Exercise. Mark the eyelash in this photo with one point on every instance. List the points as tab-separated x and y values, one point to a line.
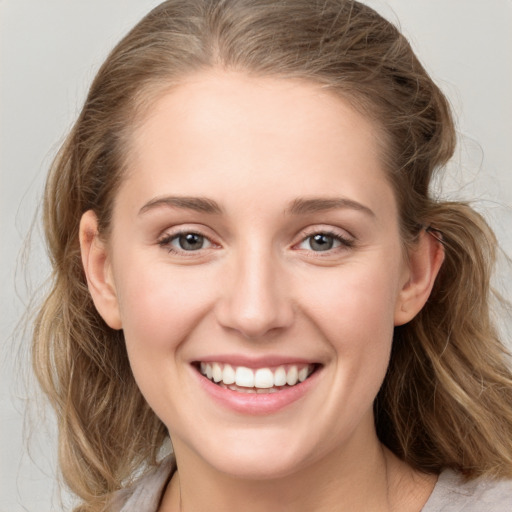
166	242
344	242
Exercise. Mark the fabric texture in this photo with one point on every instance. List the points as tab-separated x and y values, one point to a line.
451	493
146	494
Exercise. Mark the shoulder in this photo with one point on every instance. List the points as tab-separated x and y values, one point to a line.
146	492
453	494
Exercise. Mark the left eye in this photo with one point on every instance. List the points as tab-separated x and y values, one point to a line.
321	242
187	242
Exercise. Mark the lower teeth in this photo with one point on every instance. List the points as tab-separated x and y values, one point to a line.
240	389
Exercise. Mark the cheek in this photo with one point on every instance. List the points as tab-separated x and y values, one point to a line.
354	309
159	305
355	300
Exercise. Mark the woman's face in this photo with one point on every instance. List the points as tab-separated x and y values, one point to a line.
255	239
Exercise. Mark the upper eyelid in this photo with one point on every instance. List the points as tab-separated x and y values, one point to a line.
169	237
304	233
325	229
177	230
344	243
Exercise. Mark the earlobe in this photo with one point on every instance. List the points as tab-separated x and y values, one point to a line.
97	268
425	260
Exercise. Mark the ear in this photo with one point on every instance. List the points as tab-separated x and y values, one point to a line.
98	271
425	260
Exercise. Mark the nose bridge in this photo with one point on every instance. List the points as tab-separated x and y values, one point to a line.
255	302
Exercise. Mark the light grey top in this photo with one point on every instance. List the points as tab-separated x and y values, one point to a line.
451	493
145	495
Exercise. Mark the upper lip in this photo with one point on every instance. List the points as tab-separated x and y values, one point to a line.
254	362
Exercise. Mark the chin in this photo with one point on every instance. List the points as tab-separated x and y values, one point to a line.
262	456
255	467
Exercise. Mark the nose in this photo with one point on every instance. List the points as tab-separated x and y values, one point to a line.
255	302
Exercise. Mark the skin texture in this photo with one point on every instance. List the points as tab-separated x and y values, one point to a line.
257	288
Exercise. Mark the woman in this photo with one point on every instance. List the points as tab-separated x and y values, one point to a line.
248	261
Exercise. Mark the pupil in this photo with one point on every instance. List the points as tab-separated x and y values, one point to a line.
191	241
321	242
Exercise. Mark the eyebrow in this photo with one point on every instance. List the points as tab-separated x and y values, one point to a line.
198	204
301	206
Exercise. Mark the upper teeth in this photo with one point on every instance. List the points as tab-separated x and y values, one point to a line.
262	378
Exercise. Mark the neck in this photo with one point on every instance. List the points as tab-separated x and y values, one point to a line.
348	479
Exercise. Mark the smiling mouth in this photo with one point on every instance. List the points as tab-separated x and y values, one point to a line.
258	380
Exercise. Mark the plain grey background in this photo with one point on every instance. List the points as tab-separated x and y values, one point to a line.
49	52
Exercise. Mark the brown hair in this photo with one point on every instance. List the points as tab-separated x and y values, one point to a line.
446	399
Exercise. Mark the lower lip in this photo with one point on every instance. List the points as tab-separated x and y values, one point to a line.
256	403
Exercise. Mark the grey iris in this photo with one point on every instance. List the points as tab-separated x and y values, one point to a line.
321	242
191	242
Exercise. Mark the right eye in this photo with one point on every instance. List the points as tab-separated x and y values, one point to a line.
184	242
320	242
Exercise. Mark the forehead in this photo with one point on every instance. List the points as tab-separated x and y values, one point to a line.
254	135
